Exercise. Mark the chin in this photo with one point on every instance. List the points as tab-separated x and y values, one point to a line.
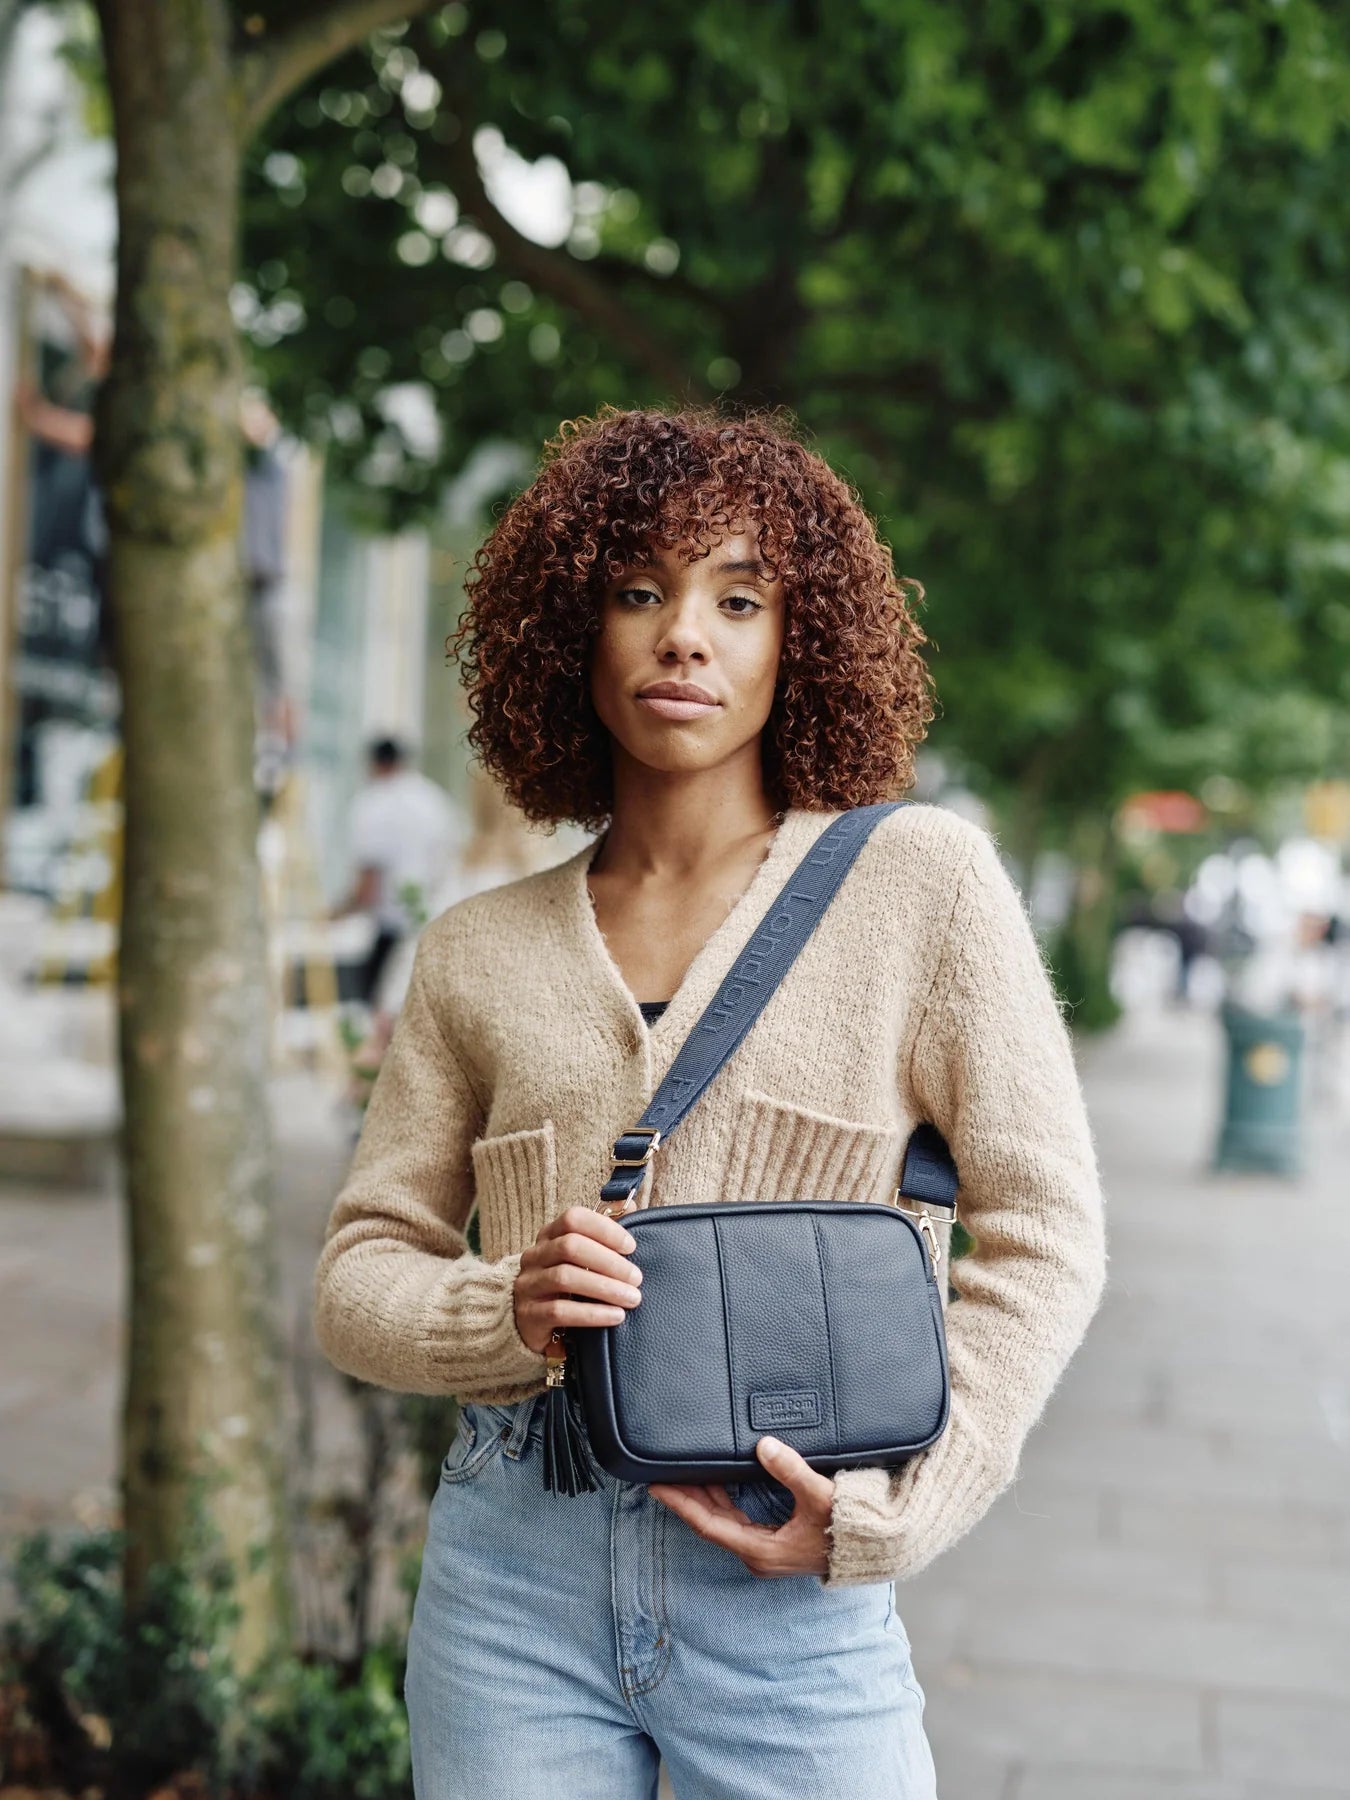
674	753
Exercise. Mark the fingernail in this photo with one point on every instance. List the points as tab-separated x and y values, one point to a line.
629	1241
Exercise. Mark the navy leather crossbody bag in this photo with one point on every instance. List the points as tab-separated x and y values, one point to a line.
818	1320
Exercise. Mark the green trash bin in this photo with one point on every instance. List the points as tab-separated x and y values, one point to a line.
1262	1126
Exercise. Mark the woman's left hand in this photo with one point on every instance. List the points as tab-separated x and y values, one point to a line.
799	1546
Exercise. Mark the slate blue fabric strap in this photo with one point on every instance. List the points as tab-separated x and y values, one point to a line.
745	992
929	1174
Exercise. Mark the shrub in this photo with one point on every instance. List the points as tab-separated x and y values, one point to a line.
95	1699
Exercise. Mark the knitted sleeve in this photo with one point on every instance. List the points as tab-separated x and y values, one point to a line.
993	1068
399	1299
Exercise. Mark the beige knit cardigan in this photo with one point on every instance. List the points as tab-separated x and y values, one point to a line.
520	1054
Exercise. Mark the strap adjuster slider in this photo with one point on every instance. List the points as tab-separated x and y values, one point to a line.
637	1162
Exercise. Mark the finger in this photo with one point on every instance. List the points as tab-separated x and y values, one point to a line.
728	1528
586	1253
577	1278
560	1313
791	1468
587	1222
714	1494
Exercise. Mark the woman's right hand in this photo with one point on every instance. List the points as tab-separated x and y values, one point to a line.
575	1273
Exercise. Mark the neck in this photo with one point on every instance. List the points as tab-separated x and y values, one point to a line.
678	825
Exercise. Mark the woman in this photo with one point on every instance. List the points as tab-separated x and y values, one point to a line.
687	634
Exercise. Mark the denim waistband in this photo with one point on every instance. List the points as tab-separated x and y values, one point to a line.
522	1421
518	1420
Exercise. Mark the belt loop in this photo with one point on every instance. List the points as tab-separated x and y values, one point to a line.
519	1429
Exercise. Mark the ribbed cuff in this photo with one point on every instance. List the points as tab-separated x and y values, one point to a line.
887	1525
469	1334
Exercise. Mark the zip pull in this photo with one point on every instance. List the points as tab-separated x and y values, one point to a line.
569	1465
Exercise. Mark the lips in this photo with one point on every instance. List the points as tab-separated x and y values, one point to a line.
677	690
677	700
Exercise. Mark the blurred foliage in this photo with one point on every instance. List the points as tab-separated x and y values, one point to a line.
1062	287
147	1699
98	1703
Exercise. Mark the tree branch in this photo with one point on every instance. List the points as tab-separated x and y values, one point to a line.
921	383
287	59
578	287
676	282
560	275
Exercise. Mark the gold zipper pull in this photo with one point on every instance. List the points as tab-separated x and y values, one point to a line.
555	1356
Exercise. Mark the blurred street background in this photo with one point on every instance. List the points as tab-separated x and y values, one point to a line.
1063	289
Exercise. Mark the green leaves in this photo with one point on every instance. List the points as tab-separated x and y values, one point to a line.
1063	287
140	1702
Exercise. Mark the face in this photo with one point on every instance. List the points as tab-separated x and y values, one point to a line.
710	631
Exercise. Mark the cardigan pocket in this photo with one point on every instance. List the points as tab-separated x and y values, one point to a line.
516	1184
780	1151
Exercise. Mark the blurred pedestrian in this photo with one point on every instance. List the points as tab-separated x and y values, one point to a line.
405	829
498	849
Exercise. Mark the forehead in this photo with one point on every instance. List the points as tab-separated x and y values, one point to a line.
736	554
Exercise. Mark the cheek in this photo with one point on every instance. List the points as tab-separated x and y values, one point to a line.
605	666
752	659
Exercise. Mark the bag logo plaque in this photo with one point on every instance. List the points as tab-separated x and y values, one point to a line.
793	1406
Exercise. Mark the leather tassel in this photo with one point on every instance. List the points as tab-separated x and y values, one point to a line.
569	1466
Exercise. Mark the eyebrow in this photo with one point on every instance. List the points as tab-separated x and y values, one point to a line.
730	566
757	569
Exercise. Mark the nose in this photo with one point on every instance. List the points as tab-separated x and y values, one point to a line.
684	636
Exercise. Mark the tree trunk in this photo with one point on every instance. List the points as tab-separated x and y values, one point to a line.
1026	818
201	1392
1084	956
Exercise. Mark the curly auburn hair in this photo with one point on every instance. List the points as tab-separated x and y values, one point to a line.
853	696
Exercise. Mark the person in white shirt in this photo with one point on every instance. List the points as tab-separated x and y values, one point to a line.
405	832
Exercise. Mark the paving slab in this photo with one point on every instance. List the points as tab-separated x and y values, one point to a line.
1077	1719
1280	1741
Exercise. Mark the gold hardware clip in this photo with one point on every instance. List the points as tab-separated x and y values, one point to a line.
924	1221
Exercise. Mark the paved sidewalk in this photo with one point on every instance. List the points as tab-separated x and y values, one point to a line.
1160	1607
62	1280
1159	1610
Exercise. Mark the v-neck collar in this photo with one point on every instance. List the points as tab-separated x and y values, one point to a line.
795	834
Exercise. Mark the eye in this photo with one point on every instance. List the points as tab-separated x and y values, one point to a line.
748	602
636	593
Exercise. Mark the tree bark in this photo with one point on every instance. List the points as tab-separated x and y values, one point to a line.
1089	929
201	1395
1026	816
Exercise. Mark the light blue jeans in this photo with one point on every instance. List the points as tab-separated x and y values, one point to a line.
561	1645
